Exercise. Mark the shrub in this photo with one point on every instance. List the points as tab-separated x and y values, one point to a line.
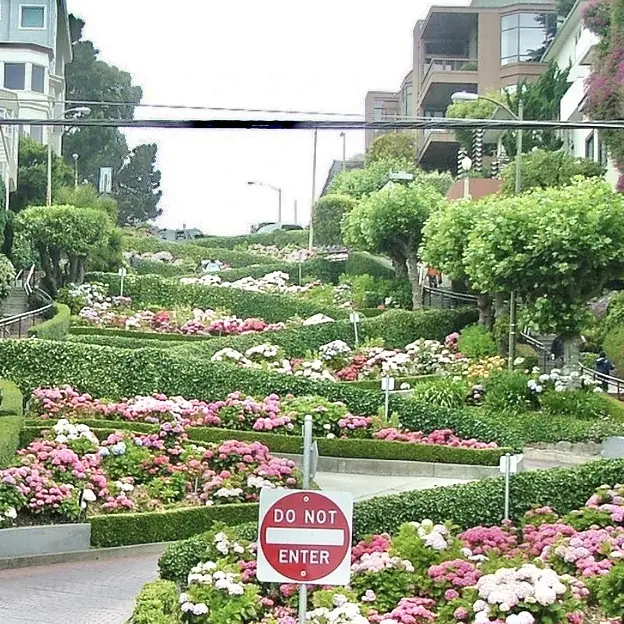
11	399
614	347
443	392
477	343
165	269
7	275
157	603
11	420
611	591
529	355
279	238
55	328
509	393
327	217
585	405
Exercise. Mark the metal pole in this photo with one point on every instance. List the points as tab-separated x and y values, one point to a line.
121	281
344	150
279	205
307	453
75	173
295	211
507	480
311	236
355	330
467	187
49	178
387	400
518	189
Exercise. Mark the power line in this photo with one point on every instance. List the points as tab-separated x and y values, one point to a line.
424	123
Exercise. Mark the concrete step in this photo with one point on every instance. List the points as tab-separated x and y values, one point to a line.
16	302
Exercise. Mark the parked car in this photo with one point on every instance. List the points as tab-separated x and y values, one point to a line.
273	227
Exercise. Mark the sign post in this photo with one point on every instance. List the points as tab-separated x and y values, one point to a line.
304	536
354	317
122	273
387	384
509	464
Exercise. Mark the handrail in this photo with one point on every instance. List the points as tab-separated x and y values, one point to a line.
444	293
7	322
605	380
449	64
28	287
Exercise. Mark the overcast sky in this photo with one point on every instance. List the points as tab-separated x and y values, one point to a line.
275	54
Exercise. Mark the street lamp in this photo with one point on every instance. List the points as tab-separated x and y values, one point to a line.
466	165
343	136
79	110
279	196
75	157
465	96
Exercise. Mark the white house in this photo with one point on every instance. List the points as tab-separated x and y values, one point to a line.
572	46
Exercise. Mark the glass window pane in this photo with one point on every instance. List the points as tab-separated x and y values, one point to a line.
38	79
14	76
531	20
33	17
509	44
509	21
532	43
589	146
36	132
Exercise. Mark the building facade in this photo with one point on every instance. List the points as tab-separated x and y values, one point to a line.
486	46
572	47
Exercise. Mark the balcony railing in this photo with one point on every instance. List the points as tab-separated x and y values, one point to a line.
450	64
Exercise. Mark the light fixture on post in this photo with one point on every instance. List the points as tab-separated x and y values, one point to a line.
343	136
77	110
466	165
75	157
279	196
465	96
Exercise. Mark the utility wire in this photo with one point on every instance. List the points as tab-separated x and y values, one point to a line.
425	123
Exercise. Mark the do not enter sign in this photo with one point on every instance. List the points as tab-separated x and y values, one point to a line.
304	537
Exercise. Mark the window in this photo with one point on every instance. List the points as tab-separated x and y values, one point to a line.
378	110
37	82
36	132
525	36
407	103
453	47
589	146
15	76
32	16
603	155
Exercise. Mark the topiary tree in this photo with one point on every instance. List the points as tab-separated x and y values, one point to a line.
7	275
542	169
327	217
555	248
392	146
63	237
390	222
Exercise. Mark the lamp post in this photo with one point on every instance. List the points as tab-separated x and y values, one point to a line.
279	196
343	136
75	157
466	164
78	110
313	201
465	96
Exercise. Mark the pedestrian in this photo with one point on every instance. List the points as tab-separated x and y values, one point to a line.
604	367
433	276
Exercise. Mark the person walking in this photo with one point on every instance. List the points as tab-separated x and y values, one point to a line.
604	367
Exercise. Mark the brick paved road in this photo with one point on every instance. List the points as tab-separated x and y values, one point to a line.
96	592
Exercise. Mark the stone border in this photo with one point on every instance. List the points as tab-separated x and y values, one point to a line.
46	539
399	468
93	554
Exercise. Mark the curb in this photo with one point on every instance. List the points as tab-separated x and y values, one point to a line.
399	468
93	554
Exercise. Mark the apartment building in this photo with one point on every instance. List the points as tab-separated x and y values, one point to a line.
485	46
572	47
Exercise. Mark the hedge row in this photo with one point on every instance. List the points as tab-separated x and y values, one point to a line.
396	327
11	420
116	373
279	238
153	290
472	504
614	348
165	526
157	603
144	336
279	443
55	328
466	505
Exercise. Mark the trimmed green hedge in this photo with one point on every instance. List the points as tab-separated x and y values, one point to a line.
55	328
279	238
116	373
11	420
279	443
153	267
614	347
157	603
88	330
153	290
471	504
164	526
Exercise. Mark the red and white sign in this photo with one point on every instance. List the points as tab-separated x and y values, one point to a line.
305	537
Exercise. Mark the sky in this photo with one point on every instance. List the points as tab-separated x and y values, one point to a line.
274	54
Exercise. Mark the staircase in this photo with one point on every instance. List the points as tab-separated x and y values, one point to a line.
16	302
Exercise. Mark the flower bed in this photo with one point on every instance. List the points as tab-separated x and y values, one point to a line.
69	472
543	569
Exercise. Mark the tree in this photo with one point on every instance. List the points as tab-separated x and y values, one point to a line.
327	217
7	275
542	169
555	248
92	80
391	221
86	196
392	146
63	237
137	187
